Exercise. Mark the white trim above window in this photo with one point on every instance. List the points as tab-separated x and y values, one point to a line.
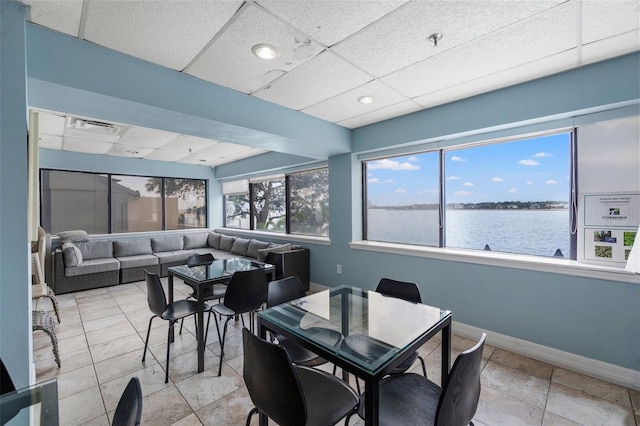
235	187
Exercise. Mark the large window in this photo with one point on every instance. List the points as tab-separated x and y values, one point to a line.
511	196
296	203
101	203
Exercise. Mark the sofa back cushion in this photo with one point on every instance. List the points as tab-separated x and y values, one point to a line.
262	254
159	245
214	240
71	255
240	246
254	246
226	243
194	241
132	247
95	249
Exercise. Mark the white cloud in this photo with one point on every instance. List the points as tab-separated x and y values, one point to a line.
543	154
530	183
452	178
528	162
400	190
376	180
463	193
391	165
412	159
512	190
459	159
428	191
550	182
467	184
497	179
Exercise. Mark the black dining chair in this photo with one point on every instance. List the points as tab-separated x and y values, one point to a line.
6	383
129	410
246	292
173	312
411	399
286	290
212	291
410	292
288	394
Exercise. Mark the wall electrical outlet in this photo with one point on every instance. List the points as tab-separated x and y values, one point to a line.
339	268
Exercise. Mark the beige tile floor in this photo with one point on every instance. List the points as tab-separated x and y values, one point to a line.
101	339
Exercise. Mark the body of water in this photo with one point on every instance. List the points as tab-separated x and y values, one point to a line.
537	232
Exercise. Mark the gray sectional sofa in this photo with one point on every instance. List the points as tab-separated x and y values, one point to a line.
83	265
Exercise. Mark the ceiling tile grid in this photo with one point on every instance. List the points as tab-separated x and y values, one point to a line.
229	61
391	111
603	19
62	16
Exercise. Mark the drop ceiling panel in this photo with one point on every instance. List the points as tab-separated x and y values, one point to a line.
391	111
129	151
400	39
504	78
141	137
320	78
169	33
346	105
63	16
230	62
185	143
51	124
330	21
603	19
252	152
50	142
163	155
611	47
544	35
223	149
87	146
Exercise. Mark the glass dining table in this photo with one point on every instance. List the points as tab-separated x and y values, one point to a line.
378	333
199	277
36	404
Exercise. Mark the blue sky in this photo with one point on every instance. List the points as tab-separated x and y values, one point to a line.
535	169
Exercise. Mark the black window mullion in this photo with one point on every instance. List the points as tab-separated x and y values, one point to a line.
364	200
287	204
573	199
441	207
252	209
109	215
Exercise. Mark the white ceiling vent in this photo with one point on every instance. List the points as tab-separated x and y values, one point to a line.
90	129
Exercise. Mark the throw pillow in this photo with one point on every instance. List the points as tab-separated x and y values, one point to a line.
226	243
74	236
240	246
255	246
214	240
262	254
71	255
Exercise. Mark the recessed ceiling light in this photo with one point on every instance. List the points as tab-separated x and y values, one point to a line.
367	99
264	51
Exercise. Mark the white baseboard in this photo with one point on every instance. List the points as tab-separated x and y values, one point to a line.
590	367
580	364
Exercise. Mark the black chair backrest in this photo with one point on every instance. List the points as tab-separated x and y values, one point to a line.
284	290
6	384
200	259
246	291
400	289
461	392
271	381
155	294
129	410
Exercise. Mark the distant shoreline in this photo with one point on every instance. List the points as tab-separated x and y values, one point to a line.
501	205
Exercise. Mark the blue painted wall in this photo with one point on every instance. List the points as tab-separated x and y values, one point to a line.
15	323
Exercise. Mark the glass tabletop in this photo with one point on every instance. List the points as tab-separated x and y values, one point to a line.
218	270
33	405
362	326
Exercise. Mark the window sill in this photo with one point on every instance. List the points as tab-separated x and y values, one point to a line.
325	241
505	260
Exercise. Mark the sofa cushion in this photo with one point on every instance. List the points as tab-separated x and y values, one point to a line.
254	246
226	243
96	249
137	261
77	235
198	240
262	254
214	240
159	245
93	266
173	256
71	255
132	247
240	246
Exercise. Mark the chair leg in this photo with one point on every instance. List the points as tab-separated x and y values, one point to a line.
166	374
251	413
224	335
424	369
206	332
51	295
349	414
146	341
